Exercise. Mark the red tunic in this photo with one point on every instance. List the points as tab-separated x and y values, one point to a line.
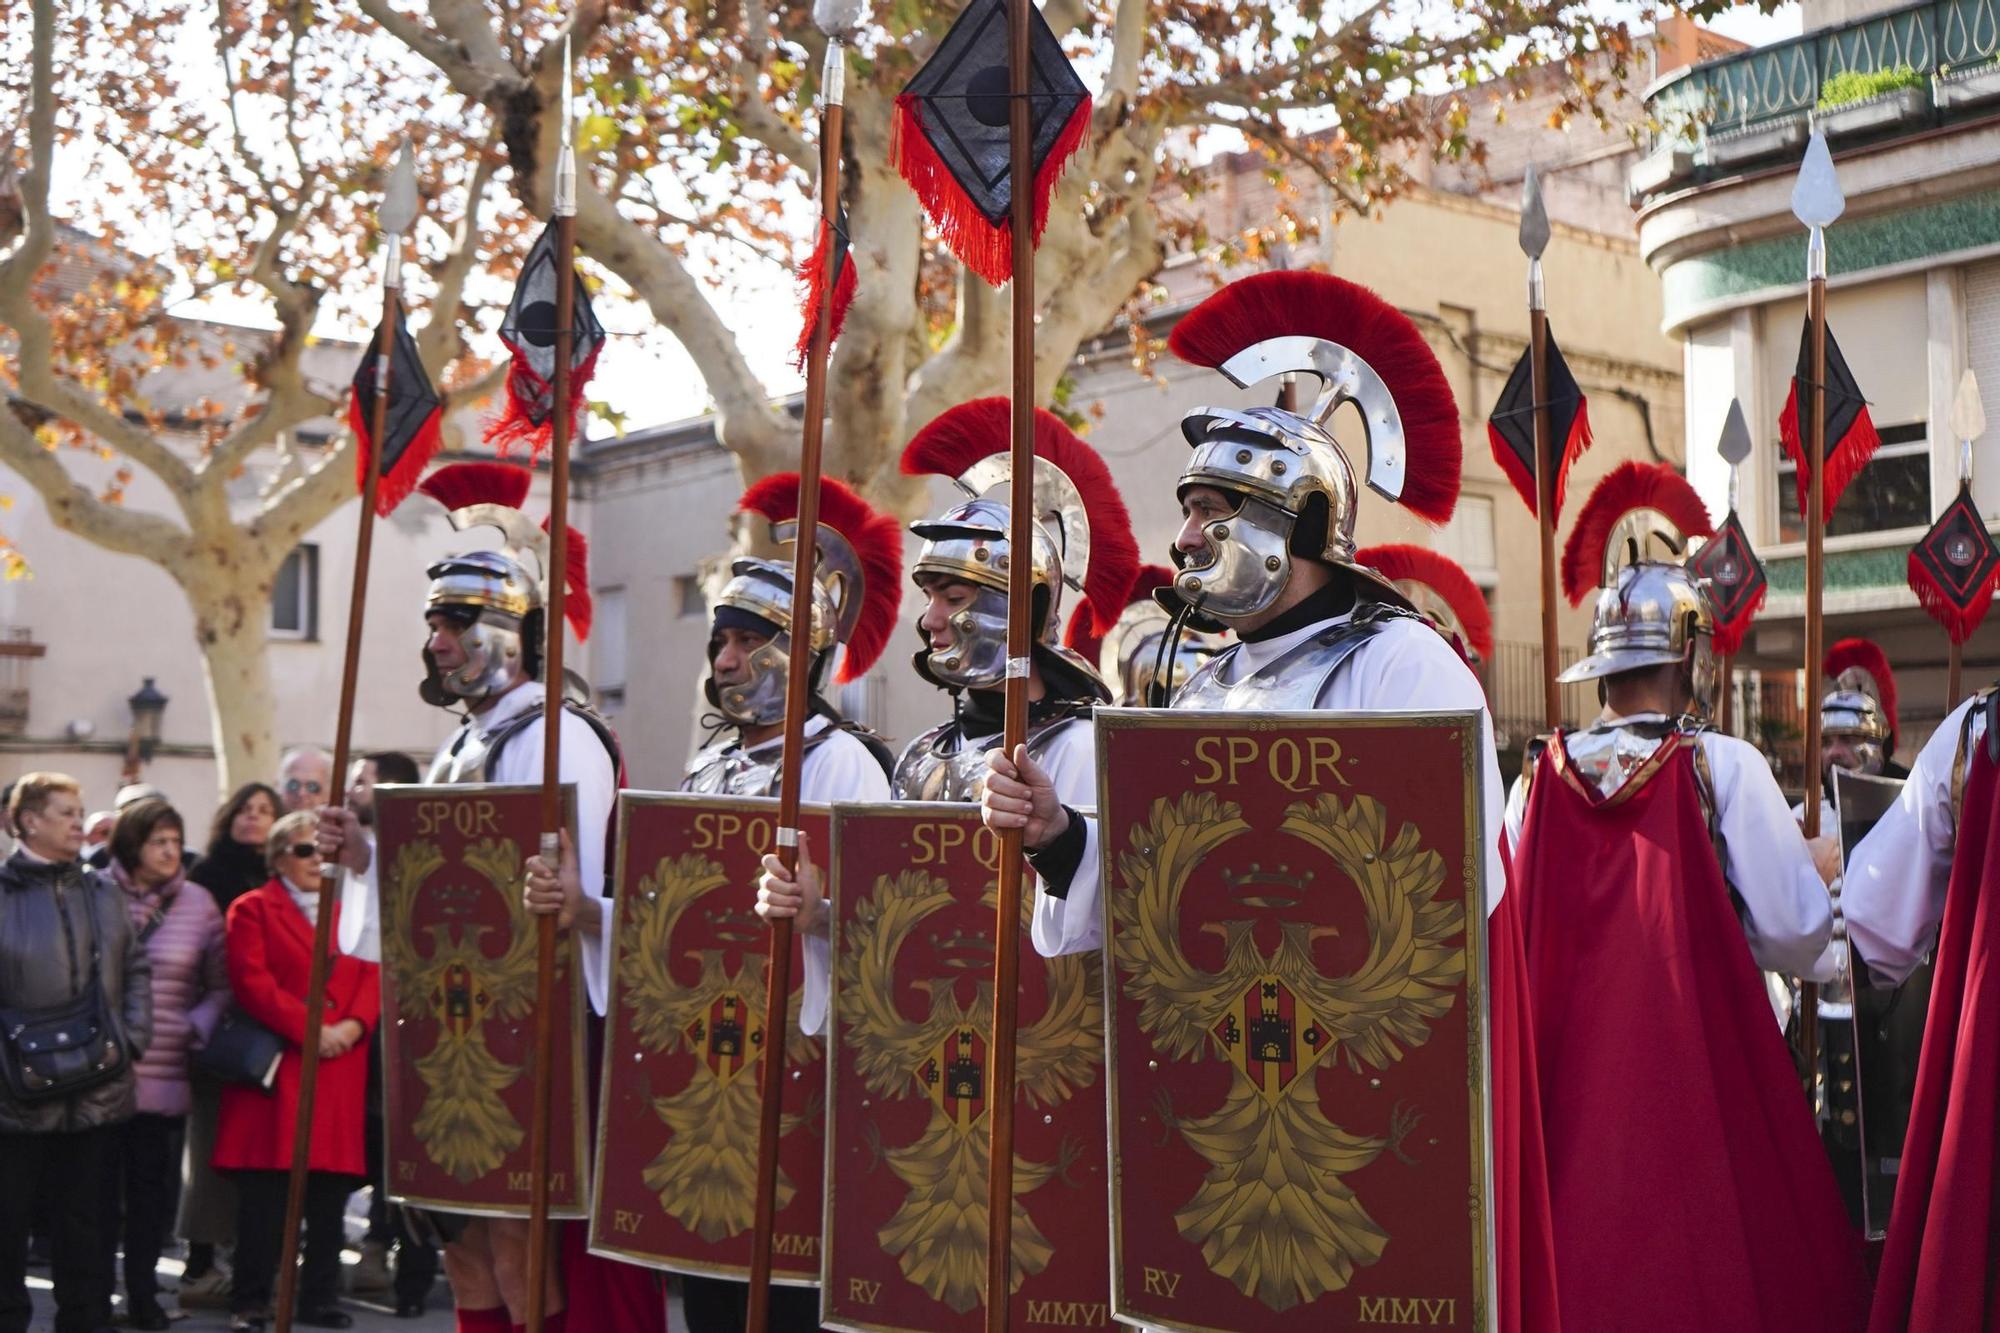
1941	1266
1687	1185
270	952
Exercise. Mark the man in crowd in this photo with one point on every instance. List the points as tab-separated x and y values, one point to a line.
69	961
305	778
97	838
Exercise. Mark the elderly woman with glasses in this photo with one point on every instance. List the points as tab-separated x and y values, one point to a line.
270	939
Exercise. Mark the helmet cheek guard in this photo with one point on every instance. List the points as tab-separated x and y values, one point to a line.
759	698
1244	564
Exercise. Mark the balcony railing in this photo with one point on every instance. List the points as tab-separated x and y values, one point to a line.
1514	694
17	649
1720	113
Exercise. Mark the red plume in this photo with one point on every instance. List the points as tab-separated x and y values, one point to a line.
877	538
1319	305
460	484
578	609
1085	639
1629	486
1443	576
830	257
1868	656
980	428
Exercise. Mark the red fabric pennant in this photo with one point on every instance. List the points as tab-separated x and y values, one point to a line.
1845	456
830	253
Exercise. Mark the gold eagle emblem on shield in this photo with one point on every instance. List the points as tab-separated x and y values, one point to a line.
1273	1214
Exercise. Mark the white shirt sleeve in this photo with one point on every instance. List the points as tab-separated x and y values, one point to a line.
1787	913
586	764
1408	667
361	910
839	768
1070	924
1894	892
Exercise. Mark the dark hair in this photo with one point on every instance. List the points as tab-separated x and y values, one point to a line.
218	832
137	823
393	766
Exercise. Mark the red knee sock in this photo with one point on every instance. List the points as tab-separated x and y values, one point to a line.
551	1323
483	1321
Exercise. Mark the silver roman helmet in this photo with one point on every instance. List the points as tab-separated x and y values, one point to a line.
1294	486
1857	718
1082	537
1630	541
1135	657
496	596
859	554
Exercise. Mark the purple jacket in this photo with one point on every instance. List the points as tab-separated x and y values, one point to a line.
190	984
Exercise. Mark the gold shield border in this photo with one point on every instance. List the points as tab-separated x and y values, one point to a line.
578	1003
1479	1073
629	799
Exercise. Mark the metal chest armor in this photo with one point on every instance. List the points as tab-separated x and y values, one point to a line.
726	769
464	759
941	765
1294	681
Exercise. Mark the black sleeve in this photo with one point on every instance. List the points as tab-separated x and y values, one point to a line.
1057	862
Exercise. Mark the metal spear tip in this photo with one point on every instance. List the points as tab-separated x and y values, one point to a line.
1534	216
840	19
1816	196
399	200
1968	414
1734	446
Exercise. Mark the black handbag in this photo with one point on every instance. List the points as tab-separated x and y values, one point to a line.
241	1050
59	1050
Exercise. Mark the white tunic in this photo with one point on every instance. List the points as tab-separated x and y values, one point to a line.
1896	881
1405	668
840	768
1787	913
584	763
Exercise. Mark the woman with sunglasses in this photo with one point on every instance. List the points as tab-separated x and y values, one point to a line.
270	939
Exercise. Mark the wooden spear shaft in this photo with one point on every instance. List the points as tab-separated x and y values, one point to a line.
540	1123
1815	624
1728	715
1020	646
805	554
330	873
1545	510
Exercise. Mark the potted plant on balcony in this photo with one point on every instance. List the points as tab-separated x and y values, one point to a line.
1856	102
1966	86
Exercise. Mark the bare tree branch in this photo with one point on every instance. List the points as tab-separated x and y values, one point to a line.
442	342
74	509
299	506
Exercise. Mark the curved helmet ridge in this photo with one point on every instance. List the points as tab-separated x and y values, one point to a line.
1142	669
1292	476
1441	591
497	596
1082	537
859	554
1861	706
1631	541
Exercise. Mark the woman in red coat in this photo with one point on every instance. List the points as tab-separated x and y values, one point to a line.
270	953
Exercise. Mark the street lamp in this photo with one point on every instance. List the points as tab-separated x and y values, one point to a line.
147	705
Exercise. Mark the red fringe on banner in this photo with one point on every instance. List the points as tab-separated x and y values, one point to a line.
513	427
813	279
578	609
1845	457
982	247
1958	621
1523	479
400	480
1729	634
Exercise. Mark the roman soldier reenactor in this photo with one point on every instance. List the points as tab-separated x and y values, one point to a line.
1082	540
1686	1185
1857	718
485	611
1925	883
751	639
1267	550
1439	587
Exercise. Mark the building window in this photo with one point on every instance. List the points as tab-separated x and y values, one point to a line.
607	649
295	596
1893	491
1469	540
689	599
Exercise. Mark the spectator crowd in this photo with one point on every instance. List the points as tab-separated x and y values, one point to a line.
152	1010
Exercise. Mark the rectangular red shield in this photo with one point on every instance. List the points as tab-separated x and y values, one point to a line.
914	895
458	1003
1293	914
675	1184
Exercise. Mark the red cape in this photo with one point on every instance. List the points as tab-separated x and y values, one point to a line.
1941	1266
1525	1285
1686	1181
